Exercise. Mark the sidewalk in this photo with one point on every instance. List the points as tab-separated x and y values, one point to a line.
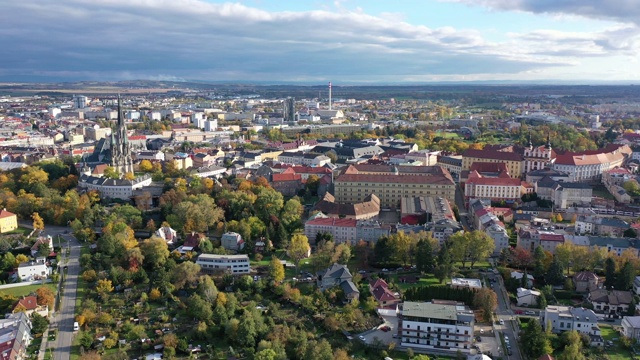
43	345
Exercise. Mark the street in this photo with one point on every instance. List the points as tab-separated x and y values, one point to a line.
461	209
504	312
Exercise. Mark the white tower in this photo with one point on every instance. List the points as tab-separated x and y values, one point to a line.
329	95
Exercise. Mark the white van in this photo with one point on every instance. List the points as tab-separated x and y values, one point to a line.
76	326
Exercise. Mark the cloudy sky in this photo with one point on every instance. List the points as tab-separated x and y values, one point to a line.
313	41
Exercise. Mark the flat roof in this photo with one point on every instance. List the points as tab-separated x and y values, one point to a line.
430	310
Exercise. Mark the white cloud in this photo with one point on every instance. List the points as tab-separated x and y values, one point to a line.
193	39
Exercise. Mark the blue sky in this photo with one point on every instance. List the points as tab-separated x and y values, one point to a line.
314	41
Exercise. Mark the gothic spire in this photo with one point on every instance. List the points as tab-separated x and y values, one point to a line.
530	143
120	117
549	140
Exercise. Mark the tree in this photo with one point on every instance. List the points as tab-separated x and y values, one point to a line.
486	300
265	354
38	223
609	273
539	259
104	287
313	181
573	346
555	274
155	252
542	301
185	273
198	308
45	296
631	186
625	277
481	246
630	233
38	324
145	166
8	262
424	256
537	343
111	173
445	268
21	258
276	270
291	213
421	357
281	238
298	248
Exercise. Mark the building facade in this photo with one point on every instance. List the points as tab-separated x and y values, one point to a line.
230	264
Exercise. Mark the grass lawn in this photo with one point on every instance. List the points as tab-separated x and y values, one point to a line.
601	191
447	135
616	352
20	230
425	280
25	290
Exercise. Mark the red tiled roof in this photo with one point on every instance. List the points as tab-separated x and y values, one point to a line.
382	293
138	137
333	222
5	214
378	282
29	302
311	170
494	181
551	237
286	177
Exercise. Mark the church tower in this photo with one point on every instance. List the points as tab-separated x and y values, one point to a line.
121	159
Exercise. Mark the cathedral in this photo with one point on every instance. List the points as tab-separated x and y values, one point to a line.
121	157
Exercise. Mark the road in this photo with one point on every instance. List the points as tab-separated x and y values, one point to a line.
504	312
65	315
464	220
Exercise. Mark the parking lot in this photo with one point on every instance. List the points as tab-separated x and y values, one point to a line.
386	337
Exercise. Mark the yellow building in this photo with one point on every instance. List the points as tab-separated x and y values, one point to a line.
391	184
8	221
514	161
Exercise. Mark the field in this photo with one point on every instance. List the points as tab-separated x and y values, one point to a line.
616	352
25	290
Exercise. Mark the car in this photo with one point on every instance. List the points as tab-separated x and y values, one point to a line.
518	312
481	331
394	336
361	338
478	339
501	321
529	312
509	352
385	270
610	320
362	272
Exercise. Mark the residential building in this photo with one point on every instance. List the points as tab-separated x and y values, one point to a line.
8	221
530	238
48	240
585	281
636	285
232	241
15	336
564	194
211	171
287	183
616	245
591	164
513	160
29	304
370	230
167	234
567	318
614	302
33	270
453	164
150	155
342	230
631	327
518	275
301	158
533	177
390	184
499	235
229	264
384	297
462	283
424	209
527	297
598	225
338	275
438	325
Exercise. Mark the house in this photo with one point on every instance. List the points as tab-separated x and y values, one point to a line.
615	302
48	240
585	281
380	291
443	325
8	221
631	327
33	270
369	208
567	318
167	234
527	297
518	276
232	241
194	239
29	305
338	275
636	285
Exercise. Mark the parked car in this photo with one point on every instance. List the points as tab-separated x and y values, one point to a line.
501	321
361	338
478	339
529	312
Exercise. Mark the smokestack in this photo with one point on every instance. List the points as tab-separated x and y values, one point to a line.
329	95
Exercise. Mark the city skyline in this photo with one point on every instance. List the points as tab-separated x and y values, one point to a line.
349	42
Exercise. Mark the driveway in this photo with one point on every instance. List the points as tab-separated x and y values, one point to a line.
386	337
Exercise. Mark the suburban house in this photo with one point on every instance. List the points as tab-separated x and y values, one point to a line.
232	241
613	302
29	305
167	234
527	297
42	240
518	276
338	275
631	327
380	291
462	283
15	336
585	281
636	285
8	221
567	318
33	270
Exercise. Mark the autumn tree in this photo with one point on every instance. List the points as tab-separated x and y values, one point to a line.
298	248
111	173
38	223
145	166
155	252
104	287
276	270
186	273
45	296
486	300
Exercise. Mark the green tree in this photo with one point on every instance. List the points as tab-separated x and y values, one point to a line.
573	346
481	246
291	213
424	256
537	343
207	289
542	301
609	273
298	248
185	273
281	238
155	252
625	277
38	324
445	267
111	173
265	354
198	308
247	333
630	233
555	274
539	259
276	270
8	261
632	187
